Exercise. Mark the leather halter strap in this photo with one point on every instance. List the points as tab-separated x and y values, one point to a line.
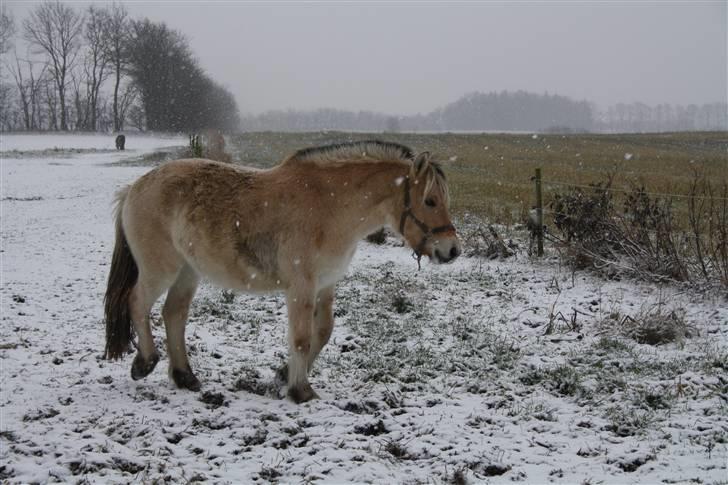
427	233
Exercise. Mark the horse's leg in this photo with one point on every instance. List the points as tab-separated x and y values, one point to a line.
146	291
300	302
323	323
175	311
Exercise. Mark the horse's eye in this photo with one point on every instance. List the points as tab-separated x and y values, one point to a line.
430	202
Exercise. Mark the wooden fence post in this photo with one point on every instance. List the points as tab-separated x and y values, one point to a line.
539	213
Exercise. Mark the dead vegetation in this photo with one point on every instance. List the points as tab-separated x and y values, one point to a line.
644	237
657	325
485	242
209	145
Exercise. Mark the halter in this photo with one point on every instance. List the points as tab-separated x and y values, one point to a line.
426	231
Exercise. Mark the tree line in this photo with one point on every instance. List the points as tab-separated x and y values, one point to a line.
639	117
98	69
505	111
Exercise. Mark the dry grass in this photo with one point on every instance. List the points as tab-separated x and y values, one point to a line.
490	174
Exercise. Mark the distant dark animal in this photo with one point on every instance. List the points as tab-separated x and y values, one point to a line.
120	140
292	228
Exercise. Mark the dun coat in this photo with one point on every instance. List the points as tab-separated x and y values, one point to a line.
293	228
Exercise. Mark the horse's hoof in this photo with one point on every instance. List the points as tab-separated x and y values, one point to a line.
282	374
185	379
142	367
301	394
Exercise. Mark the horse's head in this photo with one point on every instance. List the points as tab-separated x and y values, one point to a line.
425	221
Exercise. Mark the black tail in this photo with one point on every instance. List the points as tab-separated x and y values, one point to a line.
122	277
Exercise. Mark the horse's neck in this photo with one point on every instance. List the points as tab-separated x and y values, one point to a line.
378	200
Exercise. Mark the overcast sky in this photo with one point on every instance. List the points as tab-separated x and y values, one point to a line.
412	57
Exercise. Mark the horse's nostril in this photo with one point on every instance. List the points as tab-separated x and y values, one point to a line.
454	252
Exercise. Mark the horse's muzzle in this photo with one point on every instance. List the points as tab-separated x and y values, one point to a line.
446	251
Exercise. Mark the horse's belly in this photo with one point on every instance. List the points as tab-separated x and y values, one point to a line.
334	270
244	278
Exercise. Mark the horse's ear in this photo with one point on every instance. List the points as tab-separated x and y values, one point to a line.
421	162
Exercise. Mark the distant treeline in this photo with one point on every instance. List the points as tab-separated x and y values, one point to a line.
639	117
97	69
504	111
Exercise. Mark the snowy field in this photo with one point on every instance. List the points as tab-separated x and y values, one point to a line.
480	371
24	142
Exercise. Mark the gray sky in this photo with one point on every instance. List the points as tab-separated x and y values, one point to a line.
413	57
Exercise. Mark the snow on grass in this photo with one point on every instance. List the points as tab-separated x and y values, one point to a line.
23	142
476	371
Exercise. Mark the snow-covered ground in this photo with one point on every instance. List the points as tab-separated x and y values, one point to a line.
137	141
477	371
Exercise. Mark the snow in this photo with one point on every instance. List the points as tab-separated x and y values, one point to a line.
30	141
428	373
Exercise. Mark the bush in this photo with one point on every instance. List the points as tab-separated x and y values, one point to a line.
645	238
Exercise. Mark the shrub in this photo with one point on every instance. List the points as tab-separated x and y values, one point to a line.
646	238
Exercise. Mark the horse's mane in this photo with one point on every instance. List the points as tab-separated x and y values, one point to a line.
370	149
376	150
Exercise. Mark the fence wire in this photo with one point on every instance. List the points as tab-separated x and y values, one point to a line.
627	191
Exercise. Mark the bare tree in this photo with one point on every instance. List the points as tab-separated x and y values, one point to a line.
80	112
7	29
97	60
56	29
51	100
28	85
117	33
137	117
128	96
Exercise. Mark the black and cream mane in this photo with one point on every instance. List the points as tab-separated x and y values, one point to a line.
369	149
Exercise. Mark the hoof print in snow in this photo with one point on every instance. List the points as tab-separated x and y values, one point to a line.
268	473
41	414
364	407
398	450
631	463
175	438
255	386
6	472
213	399
372	429
491	469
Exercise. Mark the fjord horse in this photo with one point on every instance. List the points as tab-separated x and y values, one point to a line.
293	228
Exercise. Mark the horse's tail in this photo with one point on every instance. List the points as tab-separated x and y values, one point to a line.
122	277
